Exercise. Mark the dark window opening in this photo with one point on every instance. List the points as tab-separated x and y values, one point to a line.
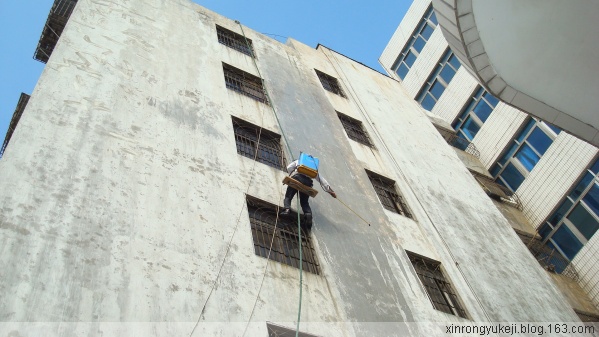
285	244
330	83
235	41
388	194
245	83
355	129
23	100
269	144
57	19
439	290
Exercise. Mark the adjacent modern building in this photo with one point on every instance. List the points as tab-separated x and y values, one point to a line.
141	186
552	173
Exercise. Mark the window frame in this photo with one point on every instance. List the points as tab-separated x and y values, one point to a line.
235	41
435	77
387	187
448	292
245	83
468	112
262	217
425	21
354	129
330	83
246	136
508	155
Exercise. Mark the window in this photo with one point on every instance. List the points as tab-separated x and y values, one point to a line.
235	41
438	80
330	83
475	114
576	219
439	290
269	144
388	195
414	46
244	83
354	129
285	249
275	330
523	153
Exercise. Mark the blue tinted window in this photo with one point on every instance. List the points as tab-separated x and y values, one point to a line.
567	242
419	44
483	110
402	71
512	176
527	128
494	170
539	140
470	128
447	74
426	32
527	157
409	59
508	154
545	230
582	185
491	99
554	128
560	212
428	102
453	60
584	221
592	199
595	167
433	18
437	89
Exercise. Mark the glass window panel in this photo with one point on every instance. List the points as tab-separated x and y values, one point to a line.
582	185
447	74
453	60
508	154
512	176
491	99
527	128
527	157
433	18
437	89
545	230
402	71
560	212
554	128
495	169
595	167
584	221
483	110
470	128
419	44
428	102
567	241
426	32
409	59
539	140
592	199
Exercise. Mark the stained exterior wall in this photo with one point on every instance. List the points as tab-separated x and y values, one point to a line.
550	180
123	195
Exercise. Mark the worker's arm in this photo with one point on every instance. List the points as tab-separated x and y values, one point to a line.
291	167
325	186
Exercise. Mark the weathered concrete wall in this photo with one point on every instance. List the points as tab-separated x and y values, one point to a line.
122	190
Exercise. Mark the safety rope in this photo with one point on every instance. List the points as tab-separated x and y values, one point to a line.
299	229
362	109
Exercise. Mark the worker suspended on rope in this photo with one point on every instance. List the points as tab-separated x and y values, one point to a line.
304	170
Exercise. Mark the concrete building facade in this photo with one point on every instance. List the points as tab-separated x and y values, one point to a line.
550	170
131	199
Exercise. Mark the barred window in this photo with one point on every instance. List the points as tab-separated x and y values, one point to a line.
269	147
330	83
388	195
244	83
285	248
439	290
354	129
235	41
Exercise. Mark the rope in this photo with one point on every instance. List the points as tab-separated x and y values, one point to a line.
353	211
398	167
299	229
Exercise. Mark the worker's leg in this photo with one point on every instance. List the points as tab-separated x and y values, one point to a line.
289	194
306	208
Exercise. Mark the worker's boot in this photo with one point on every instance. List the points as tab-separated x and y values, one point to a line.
285	212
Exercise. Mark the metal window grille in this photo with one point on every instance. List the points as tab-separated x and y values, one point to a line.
14	120
330	83
285	247
244	83
549	258
458	142
235	41
497	191
269	148
388	195
439	290
354	129
57	19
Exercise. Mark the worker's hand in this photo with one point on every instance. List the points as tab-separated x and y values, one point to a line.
333	194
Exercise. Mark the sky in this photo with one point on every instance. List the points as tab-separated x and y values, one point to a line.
356	29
